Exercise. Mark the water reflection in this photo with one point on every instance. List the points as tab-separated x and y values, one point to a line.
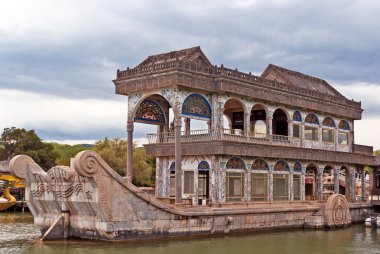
18	235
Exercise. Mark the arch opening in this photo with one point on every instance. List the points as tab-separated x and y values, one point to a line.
280	123
234	109
258	120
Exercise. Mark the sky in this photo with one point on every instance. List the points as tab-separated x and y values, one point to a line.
58	58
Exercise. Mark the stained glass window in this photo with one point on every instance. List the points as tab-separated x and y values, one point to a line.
297	117
259	164
203	165
343	125
281	166
235	163
311	118
172	166
150	111
328	121
196	105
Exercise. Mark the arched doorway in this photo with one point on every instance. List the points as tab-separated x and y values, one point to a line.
328	180
311	182
259	180
235	169
203	182
280	123
234	109
258	121
344	185
281	181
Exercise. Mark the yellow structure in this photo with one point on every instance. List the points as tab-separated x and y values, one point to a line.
8	181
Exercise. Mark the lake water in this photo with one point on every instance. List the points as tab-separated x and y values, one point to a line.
18	235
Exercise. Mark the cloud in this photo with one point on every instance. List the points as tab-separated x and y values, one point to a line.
70	50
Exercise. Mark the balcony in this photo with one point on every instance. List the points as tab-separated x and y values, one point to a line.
223	135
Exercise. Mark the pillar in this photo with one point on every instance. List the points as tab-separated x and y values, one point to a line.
353	184
320	185
303	186
247	123
363	185
336	135
336	182
270	179
290	128
187	126
291	186
302	134
178	160
269	125
129	151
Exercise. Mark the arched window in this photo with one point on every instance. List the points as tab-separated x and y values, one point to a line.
297	169
203	165
235	163
281	181
203	181
280	122
172	179
235	180
311	119
311	130
297	119
328	133
344	127
258	120
150	112
328	182
259	180
234	109
297	116
196	105
311	182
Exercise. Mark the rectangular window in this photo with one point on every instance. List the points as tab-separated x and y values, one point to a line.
172	184
378	181
234	186
328	135
296	187
311	133
280	187
188	182
259	187
343	138
296	131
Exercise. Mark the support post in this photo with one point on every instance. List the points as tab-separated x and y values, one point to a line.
363	185
178	160
336	182
129	151
320	185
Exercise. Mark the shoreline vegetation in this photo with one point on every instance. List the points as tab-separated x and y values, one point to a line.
16	141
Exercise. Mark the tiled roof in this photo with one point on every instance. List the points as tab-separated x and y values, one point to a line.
280	74
189	54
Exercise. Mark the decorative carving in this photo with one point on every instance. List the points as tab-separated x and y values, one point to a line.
281	166
150	111
203	165
86	164
337	212
196	105
18	165
297	117
312	119
235	163
329	122
343	125
260	164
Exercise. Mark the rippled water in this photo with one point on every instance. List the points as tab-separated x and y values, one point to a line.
18	235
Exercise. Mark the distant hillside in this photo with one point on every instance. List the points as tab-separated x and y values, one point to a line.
66	152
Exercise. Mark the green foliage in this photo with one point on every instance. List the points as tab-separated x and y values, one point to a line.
16	141
66	152
114	152
377	152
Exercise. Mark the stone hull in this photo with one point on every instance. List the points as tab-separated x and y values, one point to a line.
92	201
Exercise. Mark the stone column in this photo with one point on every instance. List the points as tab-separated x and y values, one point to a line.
320	185
353	184
214	180
178	160
247	123
269	125
270	180
247	186
336	134
303	186
320	135
290	129
363	185
129	175
187	126
209	124
336	182
302	134
291	186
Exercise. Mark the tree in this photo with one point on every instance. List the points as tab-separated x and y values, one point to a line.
16	141
66	152
377	152
114	152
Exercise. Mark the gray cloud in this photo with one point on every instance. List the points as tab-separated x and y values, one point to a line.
72	49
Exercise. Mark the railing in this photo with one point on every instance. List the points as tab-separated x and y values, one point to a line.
220	134
360	149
